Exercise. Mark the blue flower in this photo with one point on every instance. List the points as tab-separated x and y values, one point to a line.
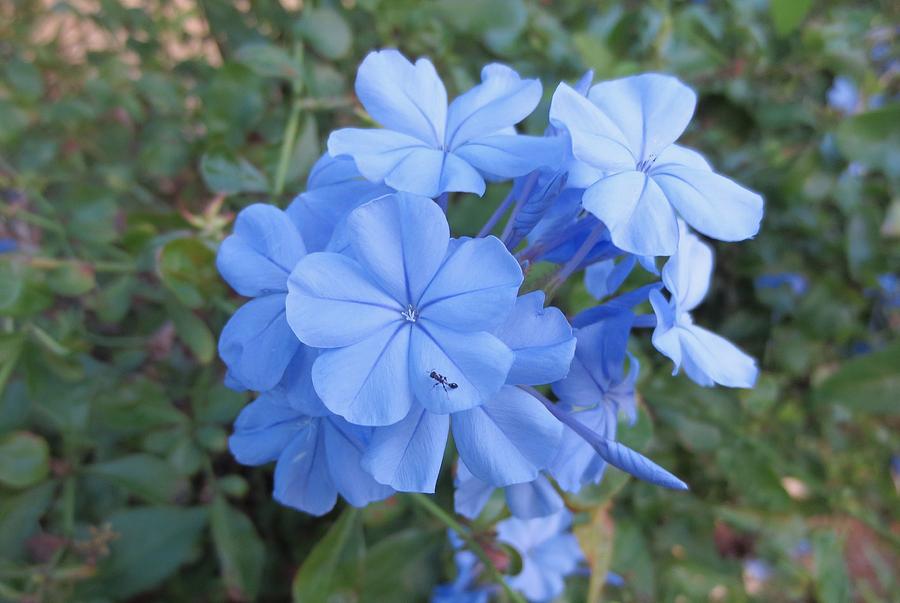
8	245
549	552
706	357
402	311
465	588
317	454
536	498
627	129
844	96
428	148
256	344
334	189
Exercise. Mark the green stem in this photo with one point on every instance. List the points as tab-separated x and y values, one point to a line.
287	148
438	513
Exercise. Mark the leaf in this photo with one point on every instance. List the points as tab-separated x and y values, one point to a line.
24	459
228	175
873	138
340	552
596	539
239	548
12	281
194	333
152	543
477	17
269	60
145	475
71	278
865	384
788	14
187	267
830	572
19	515
402	567
326	31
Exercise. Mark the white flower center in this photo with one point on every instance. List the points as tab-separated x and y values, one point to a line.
410	314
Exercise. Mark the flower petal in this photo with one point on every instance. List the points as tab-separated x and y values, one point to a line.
477	363
403	97
636	211
367	383
512	155
541	340
344	446
471	494
709	358
712	204
258	257
577	463
332	303
537	498
302	480
475	289
508	439
375	152
407	455
263	429
651	109
257	344
401	240
687	273
596	139
502	99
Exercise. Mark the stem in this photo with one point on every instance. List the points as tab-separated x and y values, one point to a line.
438	513
495	217
287	148
569	267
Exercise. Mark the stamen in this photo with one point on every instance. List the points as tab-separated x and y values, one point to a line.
410	314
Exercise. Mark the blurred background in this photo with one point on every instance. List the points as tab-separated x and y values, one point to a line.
131	132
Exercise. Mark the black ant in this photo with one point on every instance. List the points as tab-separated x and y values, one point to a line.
442	381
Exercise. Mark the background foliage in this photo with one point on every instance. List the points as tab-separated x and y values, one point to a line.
131	132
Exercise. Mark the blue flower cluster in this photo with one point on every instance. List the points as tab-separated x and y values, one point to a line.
371	333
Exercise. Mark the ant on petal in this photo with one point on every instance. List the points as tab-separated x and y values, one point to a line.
439	379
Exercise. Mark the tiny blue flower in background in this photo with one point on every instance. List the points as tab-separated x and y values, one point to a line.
549	551
798	283
428	148
627	129
256	344
706	357
8	245
465	588
844	96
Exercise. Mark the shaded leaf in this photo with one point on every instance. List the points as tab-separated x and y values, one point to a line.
338	554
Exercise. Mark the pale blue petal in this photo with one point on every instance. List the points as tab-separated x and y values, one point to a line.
510	155
296	387
332	303
532	499
502	99
560	554
681	156
630	461
302	479
475	289
471	494
375	152
334	188
537	194
508	439
344	447
263	429
712	204
367	383
407	455
687	273
577	463
651	109
709	358
257	344
418	172
636	211
541	340
595	138
401	240
604	278
258	257
403	97
477	363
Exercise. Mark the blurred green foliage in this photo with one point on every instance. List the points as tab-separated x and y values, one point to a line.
131	132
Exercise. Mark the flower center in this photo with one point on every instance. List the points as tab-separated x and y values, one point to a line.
410	314
645	164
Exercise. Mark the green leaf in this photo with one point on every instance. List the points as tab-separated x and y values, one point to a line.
873	138
19	515
71	278
402	567
145	475
830	572
326	31
865	384
24	459
596	540
187	267
478	17
152	543
12	281
228	175
269	60
194	333
339	554
240	550
788	14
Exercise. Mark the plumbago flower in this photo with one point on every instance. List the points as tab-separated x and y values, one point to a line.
372	335
428	148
